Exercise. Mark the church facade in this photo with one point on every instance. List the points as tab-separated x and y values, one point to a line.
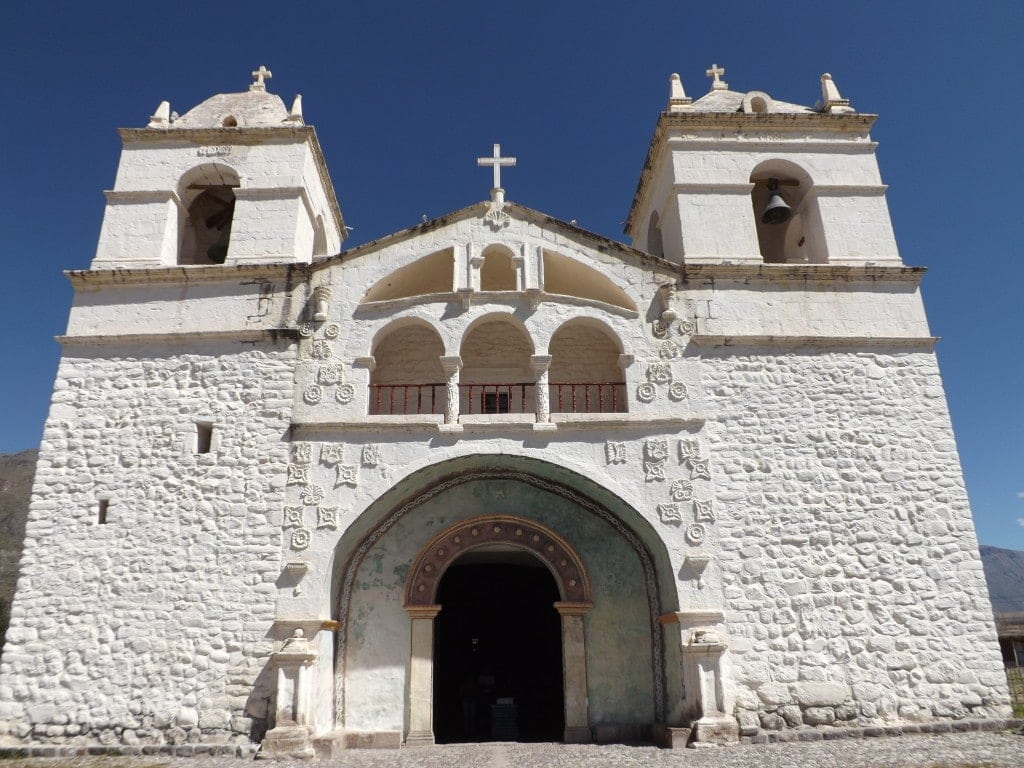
496	476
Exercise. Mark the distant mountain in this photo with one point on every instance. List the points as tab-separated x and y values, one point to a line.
1004	572
16	473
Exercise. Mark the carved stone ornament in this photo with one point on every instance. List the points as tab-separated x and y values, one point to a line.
654	470
677	391
681	490
328	374
696	533
302	453
312	494
300	538
322	350
670	514
700	468
332	330
496	217
348	474
614	453
659	329
668	350
305	330
371	455
704	511
293	517
345	393
659	373
298	474
689	448
686	327
656	449
313	394
331	454
327	517
646	393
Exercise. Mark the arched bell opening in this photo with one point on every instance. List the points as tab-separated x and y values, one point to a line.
789	228
207	195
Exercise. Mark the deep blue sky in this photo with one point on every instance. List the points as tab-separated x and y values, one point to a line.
405	95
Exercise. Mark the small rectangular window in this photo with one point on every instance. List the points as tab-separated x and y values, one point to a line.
101	511
496	402
204	436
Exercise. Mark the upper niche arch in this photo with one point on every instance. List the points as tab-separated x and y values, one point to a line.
568	277
800	240
431	274
207	194
498	270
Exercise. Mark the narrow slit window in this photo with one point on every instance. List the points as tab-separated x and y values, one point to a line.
204	437
101	511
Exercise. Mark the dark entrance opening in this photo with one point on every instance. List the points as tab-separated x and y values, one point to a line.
498	657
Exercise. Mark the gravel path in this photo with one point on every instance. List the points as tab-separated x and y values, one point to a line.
958	750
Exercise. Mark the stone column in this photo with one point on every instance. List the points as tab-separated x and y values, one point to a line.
541	364
451	367
292	732
574	674
421	675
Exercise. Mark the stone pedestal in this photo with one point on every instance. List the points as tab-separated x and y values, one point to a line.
291	736
708	698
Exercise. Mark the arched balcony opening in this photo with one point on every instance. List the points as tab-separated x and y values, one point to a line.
407	378
497	374
585	375
498	271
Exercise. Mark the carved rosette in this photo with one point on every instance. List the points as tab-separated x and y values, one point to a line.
446	547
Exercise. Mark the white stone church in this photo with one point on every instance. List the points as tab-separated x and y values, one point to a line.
496	476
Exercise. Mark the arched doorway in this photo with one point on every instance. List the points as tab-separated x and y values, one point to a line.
477	540
498	650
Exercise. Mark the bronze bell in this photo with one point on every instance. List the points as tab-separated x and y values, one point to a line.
777	211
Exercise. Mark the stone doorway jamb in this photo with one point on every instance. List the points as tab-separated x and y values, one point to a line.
421	675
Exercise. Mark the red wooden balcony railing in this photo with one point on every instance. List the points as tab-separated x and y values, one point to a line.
397	399
583	397
513	397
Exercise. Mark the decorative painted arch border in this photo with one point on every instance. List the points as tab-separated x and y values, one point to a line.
458	539
496	473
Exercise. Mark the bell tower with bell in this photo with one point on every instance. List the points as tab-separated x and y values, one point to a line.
238	179
741	177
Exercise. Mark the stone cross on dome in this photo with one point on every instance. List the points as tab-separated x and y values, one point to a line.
714	73
259	76
496	161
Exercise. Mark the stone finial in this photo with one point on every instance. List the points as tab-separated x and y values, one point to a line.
162	117
832	102
295	113
715	73
259	76
678	101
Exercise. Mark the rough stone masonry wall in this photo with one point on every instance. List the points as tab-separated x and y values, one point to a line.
153	627
853	589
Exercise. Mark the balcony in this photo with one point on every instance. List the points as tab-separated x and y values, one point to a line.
500	398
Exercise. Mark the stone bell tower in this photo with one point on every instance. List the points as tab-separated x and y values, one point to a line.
717	164
239	179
